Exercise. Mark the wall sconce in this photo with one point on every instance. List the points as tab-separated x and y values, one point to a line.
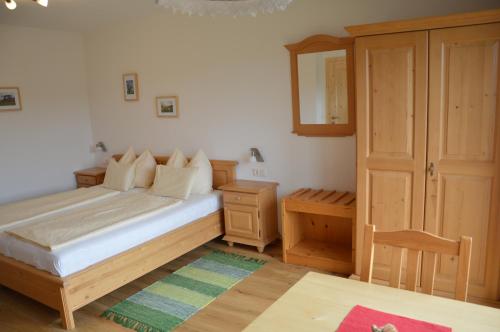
43	3
11	4
101	147
255	156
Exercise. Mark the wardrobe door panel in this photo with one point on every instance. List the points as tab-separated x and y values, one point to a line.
391	200
474	195
391	88
464	148
469	104
391	83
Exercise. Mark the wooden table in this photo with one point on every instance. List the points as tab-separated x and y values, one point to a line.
319	302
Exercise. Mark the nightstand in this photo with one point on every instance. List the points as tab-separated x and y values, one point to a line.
250	213
90	177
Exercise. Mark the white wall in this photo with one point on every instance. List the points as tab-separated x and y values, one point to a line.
43	144
233	79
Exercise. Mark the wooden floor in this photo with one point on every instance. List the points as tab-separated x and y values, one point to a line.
233	310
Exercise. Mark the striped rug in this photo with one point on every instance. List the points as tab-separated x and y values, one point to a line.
169	302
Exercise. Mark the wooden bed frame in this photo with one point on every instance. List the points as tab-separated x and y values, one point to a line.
72	292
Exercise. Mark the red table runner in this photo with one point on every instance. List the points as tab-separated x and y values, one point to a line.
360	319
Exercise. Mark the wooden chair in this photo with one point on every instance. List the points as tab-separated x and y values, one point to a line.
415	242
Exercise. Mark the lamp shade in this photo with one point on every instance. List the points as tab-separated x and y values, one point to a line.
11	4
44	3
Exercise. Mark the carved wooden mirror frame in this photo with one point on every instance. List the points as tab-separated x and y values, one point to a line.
314	44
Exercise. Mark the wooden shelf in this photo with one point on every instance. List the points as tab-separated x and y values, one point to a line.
319	228
324	202
324	255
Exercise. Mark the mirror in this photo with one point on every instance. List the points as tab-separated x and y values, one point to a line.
322	86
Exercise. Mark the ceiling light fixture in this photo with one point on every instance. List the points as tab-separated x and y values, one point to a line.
44	3
224	7
11	4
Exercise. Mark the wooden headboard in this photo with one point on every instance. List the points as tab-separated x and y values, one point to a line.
224	171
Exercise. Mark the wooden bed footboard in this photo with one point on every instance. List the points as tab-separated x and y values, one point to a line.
74	291
39	285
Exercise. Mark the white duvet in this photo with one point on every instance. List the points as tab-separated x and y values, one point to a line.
18	213
82	254
55	231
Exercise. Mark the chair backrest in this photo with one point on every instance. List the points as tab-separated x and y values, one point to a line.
416	242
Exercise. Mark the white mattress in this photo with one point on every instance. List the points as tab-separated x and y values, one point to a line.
79	255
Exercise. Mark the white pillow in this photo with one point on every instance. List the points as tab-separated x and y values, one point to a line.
119	176
177	159
173	182
128	157
145	168
203	182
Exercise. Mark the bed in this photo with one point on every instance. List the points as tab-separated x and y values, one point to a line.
68	279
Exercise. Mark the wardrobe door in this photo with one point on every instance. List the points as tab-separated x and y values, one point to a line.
391	88
464	152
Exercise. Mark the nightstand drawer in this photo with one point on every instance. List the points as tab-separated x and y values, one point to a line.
86	180
240	198
242	221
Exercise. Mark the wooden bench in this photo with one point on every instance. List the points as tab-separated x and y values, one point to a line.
319	229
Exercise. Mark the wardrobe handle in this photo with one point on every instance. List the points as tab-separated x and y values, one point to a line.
430	169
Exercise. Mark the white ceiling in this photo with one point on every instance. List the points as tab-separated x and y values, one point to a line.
88	15
75	15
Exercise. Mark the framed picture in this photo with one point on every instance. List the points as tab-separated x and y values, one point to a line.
130	87
167	106
10	99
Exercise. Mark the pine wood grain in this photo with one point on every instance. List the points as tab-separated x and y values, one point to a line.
233	310
319	302
425	23
319	228
416	242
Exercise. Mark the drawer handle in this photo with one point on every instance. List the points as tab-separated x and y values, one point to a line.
238	198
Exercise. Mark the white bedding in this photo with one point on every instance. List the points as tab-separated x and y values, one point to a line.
79	255
22	212
62	229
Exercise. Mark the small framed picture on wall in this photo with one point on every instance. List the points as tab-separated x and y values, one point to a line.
10	99
131	87
167	107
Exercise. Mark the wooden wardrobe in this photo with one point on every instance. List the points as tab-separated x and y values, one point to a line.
428	138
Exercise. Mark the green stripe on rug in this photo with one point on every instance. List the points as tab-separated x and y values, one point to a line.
179	294
169	302
141	318
242	262
195	285
213	278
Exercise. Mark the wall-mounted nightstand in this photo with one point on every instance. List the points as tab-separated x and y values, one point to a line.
250	213
90	177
